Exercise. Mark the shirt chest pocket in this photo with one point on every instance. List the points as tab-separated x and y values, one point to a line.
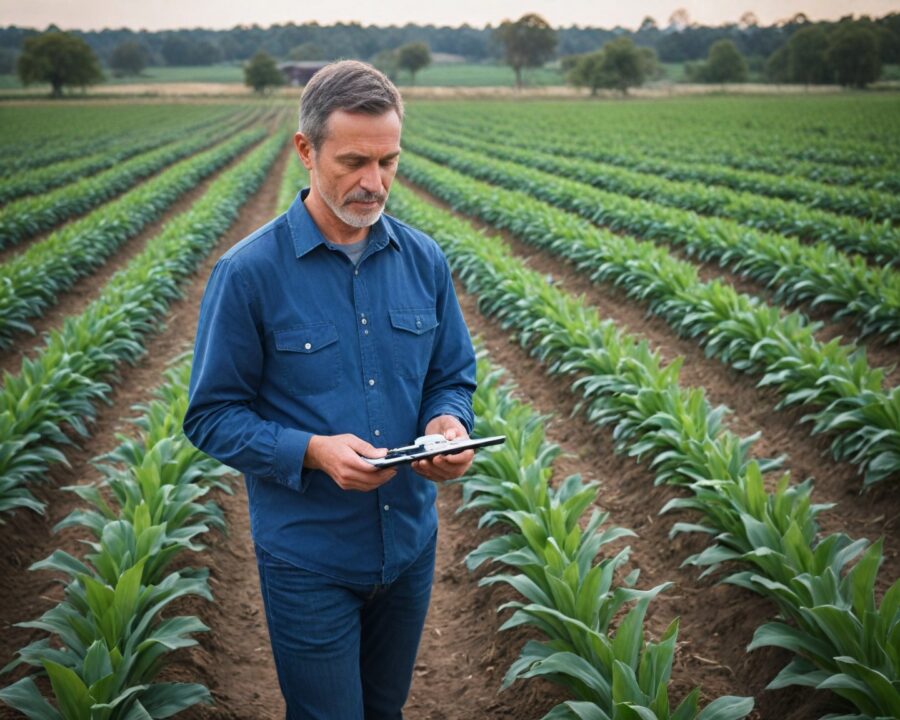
308	357
413	332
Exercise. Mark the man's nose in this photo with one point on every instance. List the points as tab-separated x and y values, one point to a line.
370	181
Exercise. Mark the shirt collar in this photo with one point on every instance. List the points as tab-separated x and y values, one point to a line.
306	235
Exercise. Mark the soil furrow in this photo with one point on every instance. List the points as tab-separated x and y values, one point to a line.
876	512
27	594
86	289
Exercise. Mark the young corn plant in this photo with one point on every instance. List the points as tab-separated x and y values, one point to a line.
110	641
571	599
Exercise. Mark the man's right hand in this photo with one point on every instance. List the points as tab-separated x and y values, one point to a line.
339	457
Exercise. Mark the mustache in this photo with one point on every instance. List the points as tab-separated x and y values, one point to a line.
365	196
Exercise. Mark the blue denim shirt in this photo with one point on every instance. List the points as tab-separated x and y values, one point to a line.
295	341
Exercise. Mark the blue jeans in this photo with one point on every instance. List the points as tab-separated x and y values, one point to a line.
344	651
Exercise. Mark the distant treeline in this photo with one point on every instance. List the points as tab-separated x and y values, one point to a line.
678	41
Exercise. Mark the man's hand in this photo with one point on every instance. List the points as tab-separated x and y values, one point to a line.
339	457
445	467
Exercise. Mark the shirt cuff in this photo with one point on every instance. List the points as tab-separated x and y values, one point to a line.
289	453
431	413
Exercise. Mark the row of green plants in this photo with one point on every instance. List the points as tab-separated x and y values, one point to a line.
31	281
818	274
860	202
37	135
716	133
48	177
572	584
30	215
850	399
105	643
823	585
294	178
878	240
61	386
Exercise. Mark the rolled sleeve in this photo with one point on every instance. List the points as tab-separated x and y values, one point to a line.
225	377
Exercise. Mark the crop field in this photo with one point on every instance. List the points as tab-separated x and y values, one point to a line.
688	320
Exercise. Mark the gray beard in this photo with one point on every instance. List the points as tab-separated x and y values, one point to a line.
353	219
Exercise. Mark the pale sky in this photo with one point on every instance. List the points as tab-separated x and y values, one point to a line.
221	14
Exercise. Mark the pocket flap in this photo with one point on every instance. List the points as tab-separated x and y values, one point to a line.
306	338
414	321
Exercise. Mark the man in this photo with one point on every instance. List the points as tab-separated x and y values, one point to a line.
327	336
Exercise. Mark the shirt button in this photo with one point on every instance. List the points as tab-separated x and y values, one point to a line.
308	346
365	332
418	323
356	272
371	381
387	507
377	433
364	321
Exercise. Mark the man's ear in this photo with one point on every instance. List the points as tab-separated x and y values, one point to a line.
304	150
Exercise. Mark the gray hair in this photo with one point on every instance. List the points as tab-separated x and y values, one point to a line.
347	85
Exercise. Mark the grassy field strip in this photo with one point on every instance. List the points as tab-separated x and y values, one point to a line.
42	136
31	215
47	178
858	202
694	146
843	640
548	554
31	281
62	385
817	274
739	329
878	240
110	636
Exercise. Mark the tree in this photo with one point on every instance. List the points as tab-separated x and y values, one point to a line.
778	66
723	64
527	42
807	48
61	59
853	55
306	51
7	61
129	58
386	61
262	74
413	57
619	64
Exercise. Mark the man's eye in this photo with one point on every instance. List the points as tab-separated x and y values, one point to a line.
388	162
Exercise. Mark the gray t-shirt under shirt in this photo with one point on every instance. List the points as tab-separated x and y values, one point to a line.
353	251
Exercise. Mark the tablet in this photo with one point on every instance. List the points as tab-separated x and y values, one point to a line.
430	445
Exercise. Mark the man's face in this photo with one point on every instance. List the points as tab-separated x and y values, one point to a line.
354	167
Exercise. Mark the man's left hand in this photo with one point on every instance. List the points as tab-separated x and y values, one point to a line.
445	467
